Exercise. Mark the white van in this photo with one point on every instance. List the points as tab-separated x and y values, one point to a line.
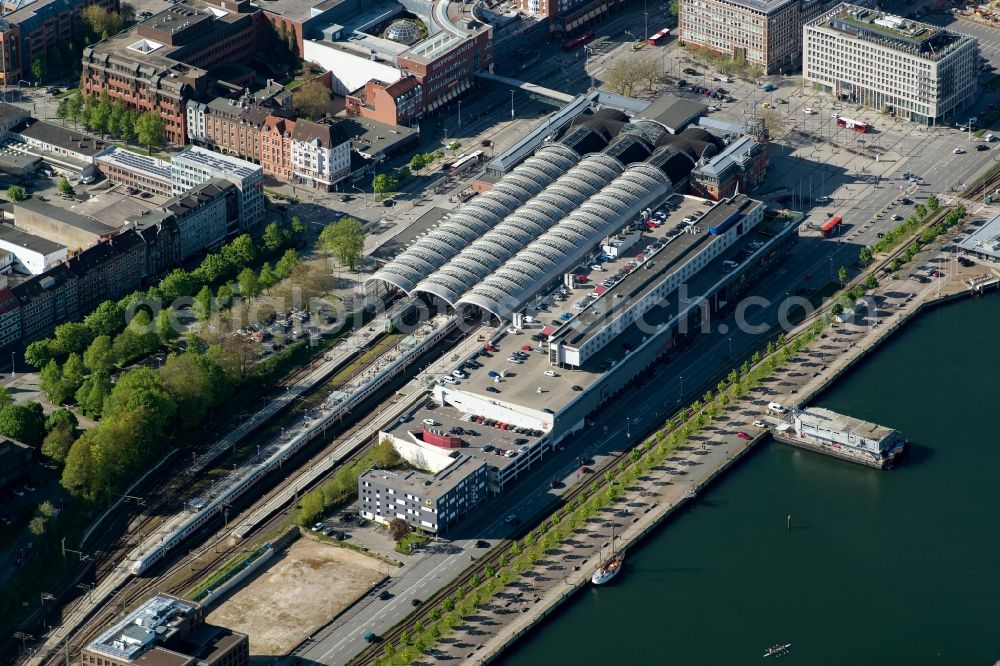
775	408
729	264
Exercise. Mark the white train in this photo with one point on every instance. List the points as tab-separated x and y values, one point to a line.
284	451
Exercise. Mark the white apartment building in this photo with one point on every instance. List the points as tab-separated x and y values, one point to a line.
321	154
913	70
194	166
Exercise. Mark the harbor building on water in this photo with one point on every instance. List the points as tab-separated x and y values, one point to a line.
843	437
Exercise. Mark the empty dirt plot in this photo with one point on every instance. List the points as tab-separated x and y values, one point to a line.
298	593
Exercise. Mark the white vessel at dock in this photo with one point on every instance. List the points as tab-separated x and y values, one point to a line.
610	567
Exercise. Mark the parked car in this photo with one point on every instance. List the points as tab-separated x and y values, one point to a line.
743	435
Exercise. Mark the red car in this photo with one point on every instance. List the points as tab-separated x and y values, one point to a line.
743	435
585	469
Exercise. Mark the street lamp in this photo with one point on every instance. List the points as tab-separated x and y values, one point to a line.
680	395
363	194
628	427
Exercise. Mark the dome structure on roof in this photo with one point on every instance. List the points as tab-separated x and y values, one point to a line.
404	32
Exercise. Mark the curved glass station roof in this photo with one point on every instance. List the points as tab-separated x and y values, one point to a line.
489	252
475	218
561	247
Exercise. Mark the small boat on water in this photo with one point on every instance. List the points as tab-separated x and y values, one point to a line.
610	567
777	650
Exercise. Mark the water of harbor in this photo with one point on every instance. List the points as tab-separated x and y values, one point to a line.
899	567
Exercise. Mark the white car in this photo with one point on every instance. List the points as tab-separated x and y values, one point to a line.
596	267
808	111
429	422
459	374
551	373
317	527
759	424
958	151
512	330
447	379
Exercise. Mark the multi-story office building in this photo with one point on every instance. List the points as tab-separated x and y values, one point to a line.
913	70
428	502
195	166
203	214
232	126
167	631
764	32
30	28
109	270
163	62
140	172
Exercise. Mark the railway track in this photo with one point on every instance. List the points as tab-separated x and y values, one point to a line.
184	571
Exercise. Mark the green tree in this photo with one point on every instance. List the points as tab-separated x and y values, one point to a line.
65	189
62	418
932	203
213	268
267	278
296	226
178	283
99	21
57	443
72	337
920	210
150	131
865	255
842	275
5	397
99	356
38	68
73	372
311	100
203	304
24	422
249	285
92	393
286	264
273	239
384	182
345	239
39	353
107	319
16	193
224	295
419	161
870	283
241	251
165	329
51	382
196	384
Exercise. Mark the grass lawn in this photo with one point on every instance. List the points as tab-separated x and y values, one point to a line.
413	539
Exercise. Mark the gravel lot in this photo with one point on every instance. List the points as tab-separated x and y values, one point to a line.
300	592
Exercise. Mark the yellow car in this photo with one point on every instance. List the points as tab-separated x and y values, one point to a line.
767	105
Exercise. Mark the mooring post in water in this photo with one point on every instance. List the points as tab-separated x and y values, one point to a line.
789	524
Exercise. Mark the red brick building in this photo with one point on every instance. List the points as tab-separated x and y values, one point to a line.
444	70
397	103
163	62
31	29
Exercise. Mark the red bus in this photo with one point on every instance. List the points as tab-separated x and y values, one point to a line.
830	226
578	41
855	125
662	37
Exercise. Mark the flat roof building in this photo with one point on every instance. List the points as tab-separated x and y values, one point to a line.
32	254
984	242
166	630
141	172
73	230
896	65
195	165
432	502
